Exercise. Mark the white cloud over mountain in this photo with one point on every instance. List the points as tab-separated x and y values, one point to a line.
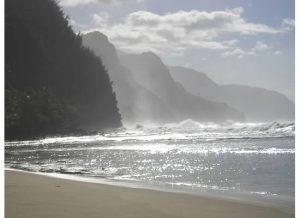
174	33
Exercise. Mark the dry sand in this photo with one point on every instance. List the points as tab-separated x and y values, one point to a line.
31	195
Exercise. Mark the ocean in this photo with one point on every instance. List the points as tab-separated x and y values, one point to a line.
251	161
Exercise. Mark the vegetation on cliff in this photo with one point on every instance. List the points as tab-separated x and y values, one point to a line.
53	84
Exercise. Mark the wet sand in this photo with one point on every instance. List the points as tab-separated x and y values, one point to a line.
31	195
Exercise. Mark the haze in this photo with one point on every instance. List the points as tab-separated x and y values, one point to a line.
233	42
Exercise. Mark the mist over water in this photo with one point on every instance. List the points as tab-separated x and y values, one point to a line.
250	159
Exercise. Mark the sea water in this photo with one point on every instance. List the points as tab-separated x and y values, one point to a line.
247	160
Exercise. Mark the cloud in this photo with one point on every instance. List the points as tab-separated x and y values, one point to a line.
256	50
231	42
287	24
100	20
277	53
174	33
213	23
237	52
260	46
74	3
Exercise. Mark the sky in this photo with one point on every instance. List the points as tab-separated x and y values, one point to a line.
232	41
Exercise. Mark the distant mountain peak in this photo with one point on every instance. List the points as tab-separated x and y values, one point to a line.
149	55
100	45
97	35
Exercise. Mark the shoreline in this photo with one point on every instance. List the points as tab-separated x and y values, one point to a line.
39	195
247	198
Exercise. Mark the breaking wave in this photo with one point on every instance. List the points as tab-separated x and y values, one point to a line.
187	130
259	129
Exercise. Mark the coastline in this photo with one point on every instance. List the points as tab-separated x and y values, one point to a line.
33	195
247	198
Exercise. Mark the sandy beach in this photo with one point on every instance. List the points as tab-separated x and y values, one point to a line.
31	195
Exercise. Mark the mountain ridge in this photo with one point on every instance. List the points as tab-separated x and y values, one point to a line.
130	94
168	109
258	104
203	100
153	74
